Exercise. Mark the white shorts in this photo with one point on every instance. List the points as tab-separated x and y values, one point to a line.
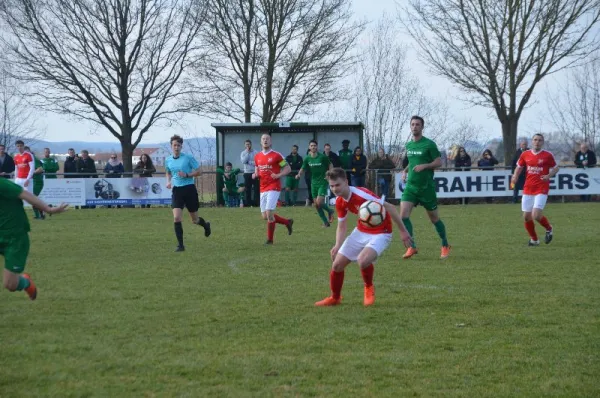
530	202
357	241
21	182
268	200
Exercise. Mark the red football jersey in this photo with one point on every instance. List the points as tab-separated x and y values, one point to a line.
537	165
22	161
358	196
267	163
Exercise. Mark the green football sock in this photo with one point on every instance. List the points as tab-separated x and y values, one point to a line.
441	230
23	283
326	207
322	215
409	227
294	197
226	198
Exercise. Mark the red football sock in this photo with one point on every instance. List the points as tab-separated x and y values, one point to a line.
545	223
336	281
530	227
281	220
367	274
270	230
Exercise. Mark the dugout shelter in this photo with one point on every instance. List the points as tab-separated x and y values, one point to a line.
230	138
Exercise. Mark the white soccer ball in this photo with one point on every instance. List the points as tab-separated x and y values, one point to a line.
371	213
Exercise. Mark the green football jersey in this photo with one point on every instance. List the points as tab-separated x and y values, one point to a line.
421	152
13	220
317	166
346	158
50	165
38	179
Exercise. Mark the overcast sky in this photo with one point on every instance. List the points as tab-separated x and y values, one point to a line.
63	129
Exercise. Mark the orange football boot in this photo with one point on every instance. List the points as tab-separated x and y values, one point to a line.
369	295
411	251
445	252
31	290
328	302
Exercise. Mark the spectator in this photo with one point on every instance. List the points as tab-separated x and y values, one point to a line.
358	168
7	164
462	162
145	168
86	167
308	181
521	181
70	166
251	185
487	162
291	183
333	157
585	158
231	190
49	164
384	165
346	159
114	169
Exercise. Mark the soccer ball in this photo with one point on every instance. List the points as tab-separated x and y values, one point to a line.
371	213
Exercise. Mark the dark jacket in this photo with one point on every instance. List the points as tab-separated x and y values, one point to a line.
8	166
334	159
462	163
295	165
144	170
589	156
70	165
87	168
114	171
384	163
358	166
487	164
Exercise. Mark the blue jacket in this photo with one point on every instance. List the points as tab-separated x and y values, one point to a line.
114	171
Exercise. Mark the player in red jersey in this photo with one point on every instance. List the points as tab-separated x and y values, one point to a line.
270	167
364	245
541	167
25	167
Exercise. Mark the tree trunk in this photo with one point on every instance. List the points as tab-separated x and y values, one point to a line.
509	137
127	155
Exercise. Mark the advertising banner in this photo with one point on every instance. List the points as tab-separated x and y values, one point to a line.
489	183
64	190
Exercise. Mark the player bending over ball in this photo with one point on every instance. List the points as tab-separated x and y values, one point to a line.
541	167
14	234
365	244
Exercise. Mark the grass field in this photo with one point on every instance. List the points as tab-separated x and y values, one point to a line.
119	314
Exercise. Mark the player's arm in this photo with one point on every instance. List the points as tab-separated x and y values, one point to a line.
40	204
286	170
168	175
302	168
551	173
397	219
516	175
31	169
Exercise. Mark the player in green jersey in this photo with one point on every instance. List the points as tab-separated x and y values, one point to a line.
423	157
50	164
231	191
318	164
14	234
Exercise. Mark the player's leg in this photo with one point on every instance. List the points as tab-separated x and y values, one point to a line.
527	202
377	243
177	204
538	214
318	202
240	192
268	214
272	198
226	196
294	191
15	251
429	202
192	203
289	183
322	193
407	203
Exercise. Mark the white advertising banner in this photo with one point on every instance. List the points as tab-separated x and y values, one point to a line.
106	191
487	183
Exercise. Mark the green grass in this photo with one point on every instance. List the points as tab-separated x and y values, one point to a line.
119	314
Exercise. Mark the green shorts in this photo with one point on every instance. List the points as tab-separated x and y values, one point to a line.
318	189
291	183
15	250
423	196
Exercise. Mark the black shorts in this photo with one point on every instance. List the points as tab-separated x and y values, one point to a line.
185	196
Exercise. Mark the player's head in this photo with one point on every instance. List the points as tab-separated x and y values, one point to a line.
345	144
313	146
417	123
46	152
20	146
523	145
327	148
265	141
248	144
2	149
176	144
228	166
338	182
294	149
537	141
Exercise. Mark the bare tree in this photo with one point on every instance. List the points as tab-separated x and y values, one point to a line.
274	59
117	63
467	135
18	119
575	107
498	51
